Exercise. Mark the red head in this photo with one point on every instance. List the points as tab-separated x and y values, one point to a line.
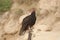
31	10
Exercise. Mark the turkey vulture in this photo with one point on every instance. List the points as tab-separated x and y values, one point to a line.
28	22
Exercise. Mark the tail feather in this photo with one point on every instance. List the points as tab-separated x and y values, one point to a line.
23	30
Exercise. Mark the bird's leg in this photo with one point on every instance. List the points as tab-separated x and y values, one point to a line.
30	34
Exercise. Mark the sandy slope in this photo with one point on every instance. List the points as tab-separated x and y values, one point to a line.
47	26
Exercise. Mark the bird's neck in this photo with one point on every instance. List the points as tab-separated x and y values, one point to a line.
33	13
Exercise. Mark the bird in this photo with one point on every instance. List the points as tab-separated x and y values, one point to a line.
28	21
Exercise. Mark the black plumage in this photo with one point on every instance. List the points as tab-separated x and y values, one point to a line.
28	22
